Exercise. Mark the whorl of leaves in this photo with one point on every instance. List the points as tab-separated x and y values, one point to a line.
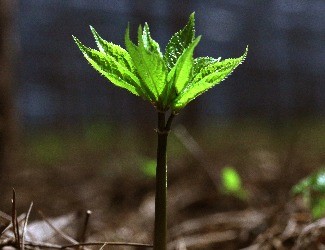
170	80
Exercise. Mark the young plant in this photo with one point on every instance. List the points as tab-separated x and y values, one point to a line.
231	183
168	81
312	190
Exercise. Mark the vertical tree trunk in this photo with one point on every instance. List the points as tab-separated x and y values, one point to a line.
6	65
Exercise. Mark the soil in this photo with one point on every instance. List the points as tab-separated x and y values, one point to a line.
101	195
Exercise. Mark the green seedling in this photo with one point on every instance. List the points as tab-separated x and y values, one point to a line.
168	81
232	184
312	190
148	167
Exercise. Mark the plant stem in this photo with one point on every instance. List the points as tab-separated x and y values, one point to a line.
160	233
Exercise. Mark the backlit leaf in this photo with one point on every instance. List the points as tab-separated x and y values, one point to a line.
113	50
149	64
180	74
207	77
314	182
201	62
168	81
179	42
230	179
111	68
231	183
182	71
150	44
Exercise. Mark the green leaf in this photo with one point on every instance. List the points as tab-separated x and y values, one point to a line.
113	50
112	68
150	44
230	179
232	183
314	182
148	167
179	42
208	76
312	189
181	72
168	81
201	62
318	207
149	64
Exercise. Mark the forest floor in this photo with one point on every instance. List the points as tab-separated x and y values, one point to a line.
104	178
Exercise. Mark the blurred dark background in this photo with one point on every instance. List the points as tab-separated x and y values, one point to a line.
47	85
283	77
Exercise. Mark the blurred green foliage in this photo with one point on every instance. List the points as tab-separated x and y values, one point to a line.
97	134
148	167
100	145
231	183
312	189
47	148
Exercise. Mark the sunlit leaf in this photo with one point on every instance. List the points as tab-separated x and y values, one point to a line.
112	69
181	72
314	182
201	62
168	81
113	50
149	64
232	184
150	44
207	78
179	42
230	179
148	167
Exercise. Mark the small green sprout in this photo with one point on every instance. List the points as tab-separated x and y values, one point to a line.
312	189
169	81
148	167
231	183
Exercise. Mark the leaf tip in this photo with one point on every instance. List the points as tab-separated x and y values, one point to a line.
246	50
243	57
127	34
76	40
82	47
192	16
94	32
146	26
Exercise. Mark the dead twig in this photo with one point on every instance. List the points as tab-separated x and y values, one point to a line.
55	246
14	218
20	218
42	245
82	237
5	216
201	241
248	219
126	244
25	227
103	246
195	149
62	234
